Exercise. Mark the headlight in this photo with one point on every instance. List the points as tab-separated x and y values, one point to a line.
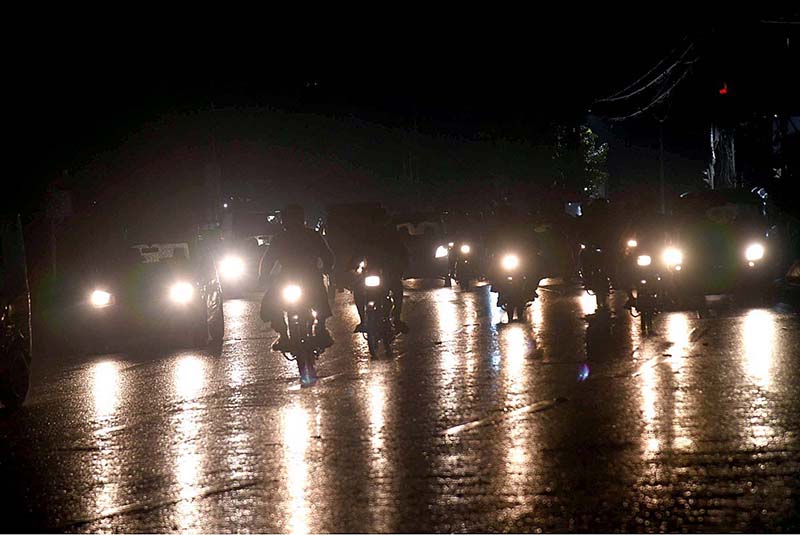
633	244
292	293
754	252
361	267
644	260
465	249
673	256
100	299
510	262
372	281
181	292
231	267
441	251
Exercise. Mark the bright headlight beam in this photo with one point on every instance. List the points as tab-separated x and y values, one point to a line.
644	260
372	281
100	298
231	267
673	256
754	251
465	249
633	243
510	262
292	293
181	292
441	251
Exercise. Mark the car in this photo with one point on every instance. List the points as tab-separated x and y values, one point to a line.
427	243
722	245
148	290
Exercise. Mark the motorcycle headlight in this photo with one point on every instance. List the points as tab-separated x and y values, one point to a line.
754	251
361	267
510	262
100	298
372	281
673	256
441	251
181	292
632	243
292	293
231	267
465	249
644	260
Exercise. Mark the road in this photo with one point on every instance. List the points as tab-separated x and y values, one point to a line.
473	425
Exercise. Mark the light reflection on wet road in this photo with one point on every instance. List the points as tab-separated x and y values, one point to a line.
474	425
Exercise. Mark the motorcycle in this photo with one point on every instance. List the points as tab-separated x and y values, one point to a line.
648	291
515	287
378	307
15	364
594	275
15	316
463	265
303	326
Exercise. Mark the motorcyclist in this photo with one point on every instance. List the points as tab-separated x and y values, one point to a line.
299	252
511	233
382	247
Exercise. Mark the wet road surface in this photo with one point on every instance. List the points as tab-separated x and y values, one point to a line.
472	426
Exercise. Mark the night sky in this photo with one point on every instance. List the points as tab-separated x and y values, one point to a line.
113	108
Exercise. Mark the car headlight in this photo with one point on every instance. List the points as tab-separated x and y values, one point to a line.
510	262
441	251
181	292
372	281
673	256
754	251
231	267
292	293
632	243
644	260
465	249
100	298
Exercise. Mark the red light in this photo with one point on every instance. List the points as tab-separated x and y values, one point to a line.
724	89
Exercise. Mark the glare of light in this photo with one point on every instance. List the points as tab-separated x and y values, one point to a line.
441	251
450	244
105	388
292	293
225	205
673	256
188	380
758	333
751	264
100	298
181	292
678	267
583	372
678	333
372	281
754	251
295	439
510	262
588	303
465	249
633	243
361	266
644	260
231	267
189	377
